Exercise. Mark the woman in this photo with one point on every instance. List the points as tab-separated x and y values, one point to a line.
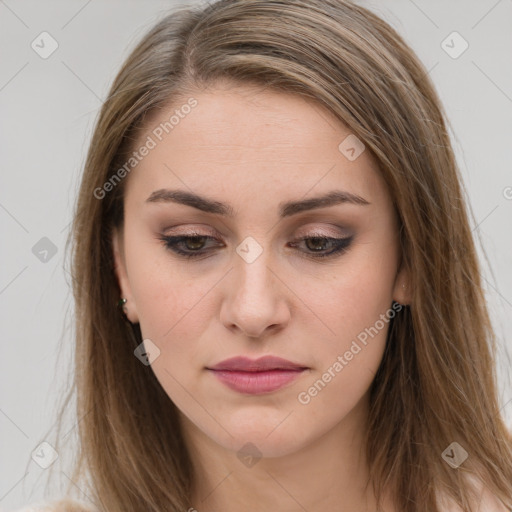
272	204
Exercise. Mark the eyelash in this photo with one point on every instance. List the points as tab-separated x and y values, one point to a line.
341	245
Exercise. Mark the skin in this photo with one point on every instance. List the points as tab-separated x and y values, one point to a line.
255	149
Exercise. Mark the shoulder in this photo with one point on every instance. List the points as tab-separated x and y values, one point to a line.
485	501
62	505
35	507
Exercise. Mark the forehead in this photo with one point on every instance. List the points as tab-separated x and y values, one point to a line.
242	138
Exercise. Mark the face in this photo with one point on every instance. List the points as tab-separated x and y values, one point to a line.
265	271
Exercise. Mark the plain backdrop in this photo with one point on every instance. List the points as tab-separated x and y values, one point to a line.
48	108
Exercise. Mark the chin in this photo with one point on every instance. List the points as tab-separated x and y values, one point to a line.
269	438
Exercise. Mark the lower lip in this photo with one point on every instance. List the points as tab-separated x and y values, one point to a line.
254	383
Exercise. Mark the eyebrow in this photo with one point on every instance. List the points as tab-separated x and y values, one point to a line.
286	209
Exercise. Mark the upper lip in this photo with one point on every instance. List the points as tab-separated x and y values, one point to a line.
245	364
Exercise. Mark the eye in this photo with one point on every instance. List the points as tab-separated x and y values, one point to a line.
317	246
193	245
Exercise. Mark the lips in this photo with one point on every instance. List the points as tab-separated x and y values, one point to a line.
253	377
266	363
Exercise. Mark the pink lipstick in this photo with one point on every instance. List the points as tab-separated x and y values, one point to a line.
263	375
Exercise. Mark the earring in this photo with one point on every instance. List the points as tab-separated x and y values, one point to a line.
121	304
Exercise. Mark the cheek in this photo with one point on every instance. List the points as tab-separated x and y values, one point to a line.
340	391
358	313
172	310
356	307
356	296
169	302
358	310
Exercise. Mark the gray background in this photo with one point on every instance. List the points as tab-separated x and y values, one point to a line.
48	107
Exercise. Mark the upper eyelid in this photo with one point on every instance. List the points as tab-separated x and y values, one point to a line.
295	239
202	235
341	231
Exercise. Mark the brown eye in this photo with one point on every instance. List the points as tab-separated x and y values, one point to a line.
318	245
187	246
194	245
195	242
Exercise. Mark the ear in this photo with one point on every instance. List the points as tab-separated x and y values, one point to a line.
130	307
402	287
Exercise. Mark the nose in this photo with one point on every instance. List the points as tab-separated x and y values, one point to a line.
256	299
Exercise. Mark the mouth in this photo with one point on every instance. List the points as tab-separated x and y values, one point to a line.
263	375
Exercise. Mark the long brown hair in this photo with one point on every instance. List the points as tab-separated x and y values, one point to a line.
436	383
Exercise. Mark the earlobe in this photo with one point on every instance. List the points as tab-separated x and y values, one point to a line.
128	307
402	288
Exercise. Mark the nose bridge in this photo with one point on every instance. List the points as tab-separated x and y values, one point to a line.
253	273
253	302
